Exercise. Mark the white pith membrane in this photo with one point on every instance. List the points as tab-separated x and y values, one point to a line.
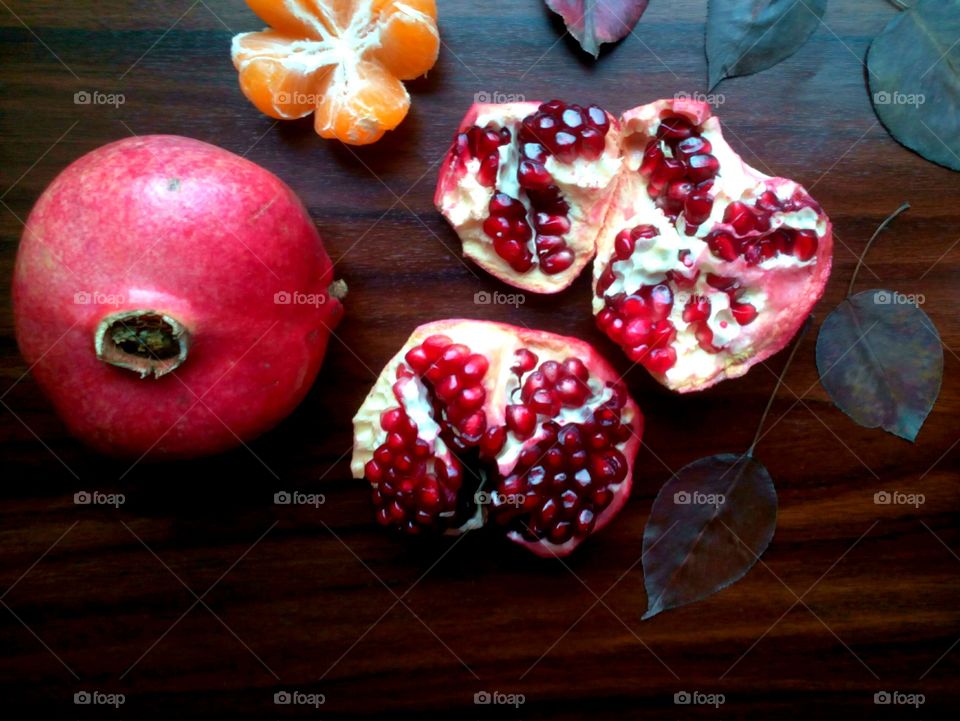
583	184
337	48
499	344
782	289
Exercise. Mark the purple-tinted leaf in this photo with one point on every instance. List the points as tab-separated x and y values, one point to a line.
914	76
708	526
747	36
881	361
594	22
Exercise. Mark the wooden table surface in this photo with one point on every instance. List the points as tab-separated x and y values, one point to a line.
199	595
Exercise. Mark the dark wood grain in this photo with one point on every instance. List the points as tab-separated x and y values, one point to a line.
307	599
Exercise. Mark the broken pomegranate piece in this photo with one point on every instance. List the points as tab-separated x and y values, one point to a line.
475	422
705	266
527	185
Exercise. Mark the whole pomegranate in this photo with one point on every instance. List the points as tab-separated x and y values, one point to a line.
171	297
705	266
475	421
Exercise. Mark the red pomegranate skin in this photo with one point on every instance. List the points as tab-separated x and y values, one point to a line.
192	231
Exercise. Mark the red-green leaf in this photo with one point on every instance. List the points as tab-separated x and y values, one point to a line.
881	361
914	76
594	22
708	526
747	36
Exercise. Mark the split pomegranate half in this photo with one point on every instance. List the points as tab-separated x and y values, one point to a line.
526	186
705	266
475	422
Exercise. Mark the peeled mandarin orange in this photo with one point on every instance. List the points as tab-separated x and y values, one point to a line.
340	59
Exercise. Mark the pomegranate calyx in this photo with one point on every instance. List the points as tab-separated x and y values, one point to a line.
338	289
147	342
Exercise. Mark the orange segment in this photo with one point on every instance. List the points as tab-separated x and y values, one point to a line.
409	42
293	17
358	104
427	7
276	91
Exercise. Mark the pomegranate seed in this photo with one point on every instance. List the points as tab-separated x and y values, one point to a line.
551	224
694	145
544	126
660	360
769	201
592	143
542	402
521	420
473	426
678	190
661	301
584	522
570	437
723	247
471	398
510	250
607	278
487	173
557	262
575	367
526	361
533	175
696	310
453	356
493	440
535	382
496	226
503	204
703	167
547	512
652	157
373	471
565	146
551	371
547	244
670	169
644	231
741	217
697	208
637	331
597	117
572	117
448	388
805	244
624	245
560	533
674	127
571	392
535	151
743	313
474	368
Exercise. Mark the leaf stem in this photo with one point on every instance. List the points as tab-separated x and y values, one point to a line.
880	229
783	373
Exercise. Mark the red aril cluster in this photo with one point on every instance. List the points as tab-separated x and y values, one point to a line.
747	232
566	479
412	488
681	171
482	144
